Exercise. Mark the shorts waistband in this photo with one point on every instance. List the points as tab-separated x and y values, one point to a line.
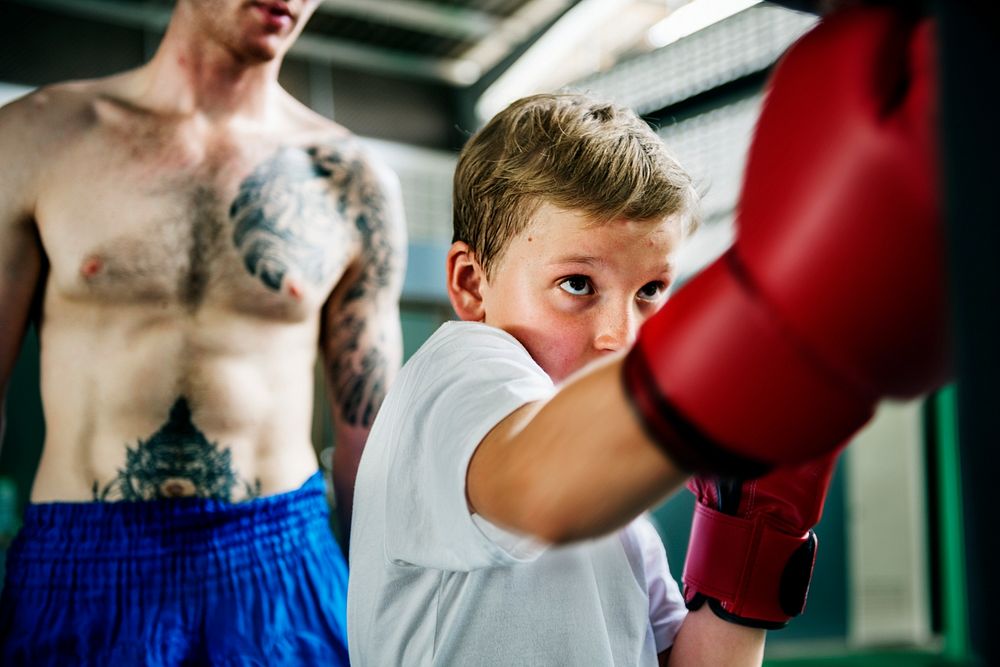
199	535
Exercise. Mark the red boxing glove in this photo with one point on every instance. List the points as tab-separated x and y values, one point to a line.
833	294
752	547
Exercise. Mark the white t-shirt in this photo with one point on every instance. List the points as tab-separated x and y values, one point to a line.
431	584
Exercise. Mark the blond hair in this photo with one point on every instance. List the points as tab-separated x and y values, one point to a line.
570	151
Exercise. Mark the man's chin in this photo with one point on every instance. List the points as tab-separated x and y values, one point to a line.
263	46
262	51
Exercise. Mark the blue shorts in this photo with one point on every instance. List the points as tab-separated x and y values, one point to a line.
190	581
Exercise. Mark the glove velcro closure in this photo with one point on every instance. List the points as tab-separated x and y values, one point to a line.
752	572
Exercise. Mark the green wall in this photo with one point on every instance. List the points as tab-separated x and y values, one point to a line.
25	427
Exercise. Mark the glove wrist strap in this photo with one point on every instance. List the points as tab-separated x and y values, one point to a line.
750	568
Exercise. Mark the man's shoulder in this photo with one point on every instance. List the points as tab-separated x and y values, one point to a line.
36	128
301	118
329	137
56	109
315	129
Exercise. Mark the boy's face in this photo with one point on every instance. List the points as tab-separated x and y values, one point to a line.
572	291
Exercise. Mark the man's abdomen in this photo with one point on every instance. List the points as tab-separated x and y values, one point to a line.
143	406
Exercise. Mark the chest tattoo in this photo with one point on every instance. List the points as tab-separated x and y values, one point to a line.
287	215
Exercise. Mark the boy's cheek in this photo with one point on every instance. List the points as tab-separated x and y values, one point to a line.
561	348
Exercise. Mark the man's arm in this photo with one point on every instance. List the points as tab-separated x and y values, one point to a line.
361	340
21	256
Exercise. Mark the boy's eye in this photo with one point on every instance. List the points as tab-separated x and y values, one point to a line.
577	286
651	291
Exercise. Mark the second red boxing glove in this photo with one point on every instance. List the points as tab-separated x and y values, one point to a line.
752	547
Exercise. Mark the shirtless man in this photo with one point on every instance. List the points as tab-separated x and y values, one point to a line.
185	234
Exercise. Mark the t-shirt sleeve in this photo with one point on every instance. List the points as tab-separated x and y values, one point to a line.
666	604
460	388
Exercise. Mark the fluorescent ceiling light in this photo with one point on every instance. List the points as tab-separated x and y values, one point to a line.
692	17
523	77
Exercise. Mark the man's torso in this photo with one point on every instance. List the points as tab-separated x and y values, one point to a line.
189	262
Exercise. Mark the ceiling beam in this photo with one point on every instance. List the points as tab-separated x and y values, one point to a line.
115	12
379	60
435	19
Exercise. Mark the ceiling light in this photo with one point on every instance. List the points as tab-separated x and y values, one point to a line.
692	17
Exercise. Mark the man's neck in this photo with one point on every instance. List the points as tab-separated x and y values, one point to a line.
193	75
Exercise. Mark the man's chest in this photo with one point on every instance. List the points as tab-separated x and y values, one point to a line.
254	226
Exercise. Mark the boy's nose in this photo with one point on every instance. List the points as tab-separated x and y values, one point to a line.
616	330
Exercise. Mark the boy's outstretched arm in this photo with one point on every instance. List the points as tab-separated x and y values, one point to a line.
576	466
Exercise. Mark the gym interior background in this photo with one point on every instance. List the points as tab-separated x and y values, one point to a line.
415	78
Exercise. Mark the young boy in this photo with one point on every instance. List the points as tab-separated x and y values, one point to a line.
567	211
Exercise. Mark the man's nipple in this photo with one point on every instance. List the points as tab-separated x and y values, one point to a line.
90	267
294	288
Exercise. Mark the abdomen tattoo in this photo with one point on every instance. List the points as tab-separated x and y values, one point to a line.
175	462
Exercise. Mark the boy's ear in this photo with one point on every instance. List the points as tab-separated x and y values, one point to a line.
465	276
